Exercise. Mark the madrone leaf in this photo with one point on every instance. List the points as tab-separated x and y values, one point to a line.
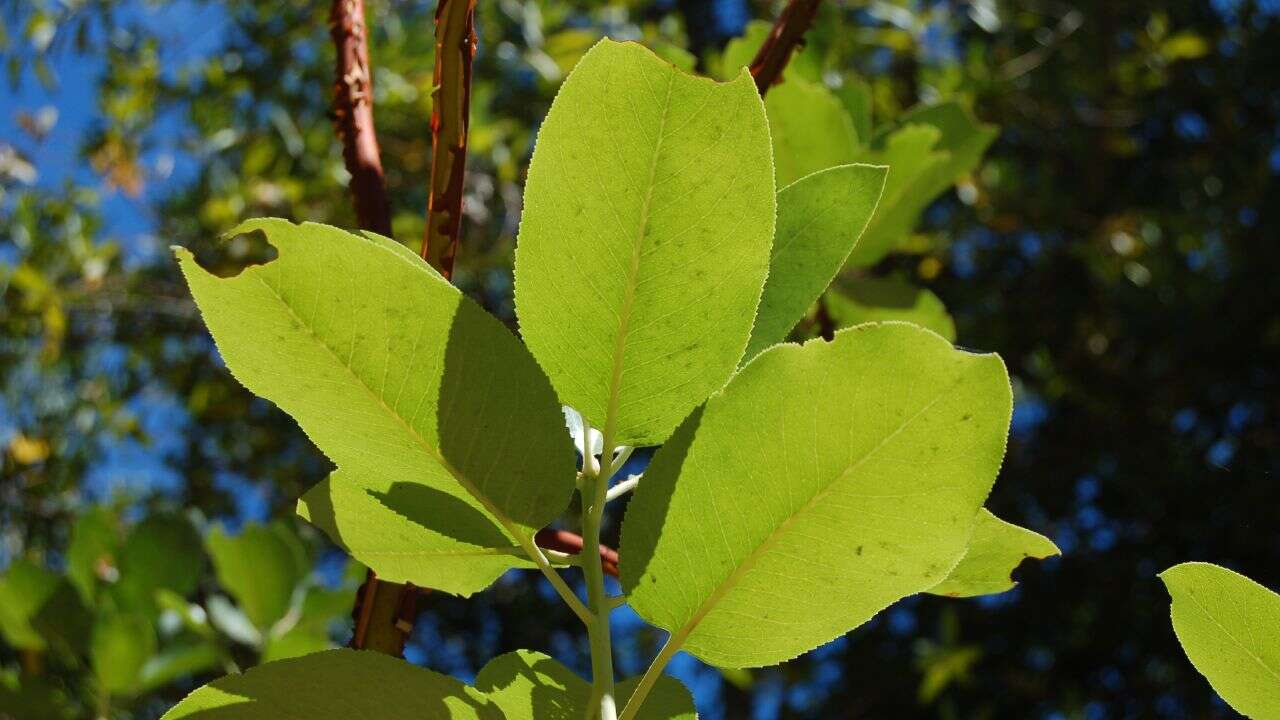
856	301
528	685
644	243
335	685
819	220
810	129
996	550
824	483
1229	626
409	387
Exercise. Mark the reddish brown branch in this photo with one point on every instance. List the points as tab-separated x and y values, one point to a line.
786	36
568	542
353	115
450	120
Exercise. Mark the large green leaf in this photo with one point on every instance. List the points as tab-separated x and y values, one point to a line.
410	388
824	483
335	685
996	550
856	301
819	219
810	128
1229	626
528	685
260	567
644	243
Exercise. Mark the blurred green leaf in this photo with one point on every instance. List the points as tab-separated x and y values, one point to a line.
91	556
162	553
24	589
855	301
810	129
122	644
260	568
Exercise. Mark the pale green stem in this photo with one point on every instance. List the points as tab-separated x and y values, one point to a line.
668	651
622	488
602	705
566	593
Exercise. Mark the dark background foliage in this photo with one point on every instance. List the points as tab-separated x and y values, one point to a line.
1117	248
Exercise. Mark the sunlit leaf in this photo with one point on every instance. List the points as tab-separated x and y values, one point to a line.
819	220
422	399
824	483
995	551
856	301
645	237
1229	626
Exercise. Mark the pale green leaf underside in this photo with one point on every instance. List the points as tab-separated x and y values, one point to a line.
335	685
824	483
810	129
854	302
527	685
996	550
819	220
644	243
407	386
1229	626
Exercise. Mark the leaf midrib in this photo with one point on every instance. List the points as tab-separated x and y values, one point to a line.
1231	636
628	299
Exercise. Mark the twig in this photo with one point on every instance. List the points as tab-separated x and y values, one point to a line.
353	115
450	119
786	36
571	543
383	612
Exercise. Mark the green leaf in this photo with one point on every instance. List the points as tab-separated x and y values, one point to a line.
119	648
95	541
1229	626
320	687
411	532
25	588
853	302
927	150
409	387
162	553
824	483
996	550
528	685
260	568
645	239
819	219
179	661
295	643
858	101
912	160
810	129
